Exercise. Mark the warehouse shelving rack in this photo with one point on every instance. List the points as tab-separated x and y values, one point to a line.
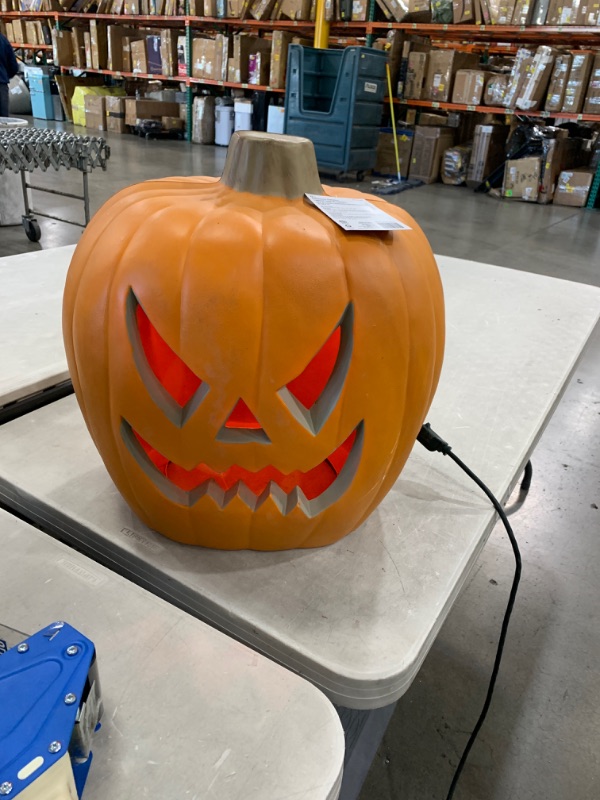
491	37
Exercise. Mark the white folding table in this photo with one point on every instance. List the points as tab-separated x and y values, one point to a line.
356	618
188	712
34	367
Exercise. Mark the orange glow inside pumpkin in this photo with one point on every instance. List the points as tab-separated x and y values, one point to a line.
313	483
181	383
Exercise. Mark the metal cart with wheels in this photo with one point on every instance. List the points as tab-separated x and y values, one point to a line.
27	149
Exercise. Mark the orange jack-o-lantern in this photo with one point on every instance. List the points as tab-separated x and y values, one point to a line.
252	375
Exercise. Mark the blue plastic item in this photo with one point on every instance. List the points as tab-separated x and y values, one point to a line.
42	105
335	99
50	707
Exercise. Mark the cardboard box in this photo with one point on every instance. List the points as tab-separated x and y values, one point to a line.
386	155
99	44
443	65
259	65
592	98
589	13
62	47
558	82
19	31
224	50
562	12
432	118
153	54
468	86
522	179
488	152
455	162
495	90
31	33
279	55
209	9
148	109
520	72
540	12
293	9
559	154
139	59
577	82
506	9
172	123
203	120
78	45
415	75
95	112
204	54
523	12
87	41
245	45
416	10
360	9
428	148
115	114
261	9
168	52
573	187
534	89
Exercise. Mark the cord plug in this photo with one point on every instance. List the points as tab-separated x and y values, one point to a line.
432	441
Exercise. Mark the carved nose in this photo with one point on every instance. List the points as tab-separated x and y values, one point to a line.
242	427
242	417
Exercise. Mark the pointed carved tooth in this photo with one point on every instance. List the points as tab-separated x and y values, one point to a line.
217	494
253	501
197	493
229	494
284	502
304	502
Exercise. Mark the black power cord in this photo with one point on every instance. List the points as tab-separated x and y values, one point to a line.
433	442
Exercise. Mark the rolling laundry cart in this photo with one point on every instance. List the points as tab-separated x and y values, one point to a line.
335	99
24	150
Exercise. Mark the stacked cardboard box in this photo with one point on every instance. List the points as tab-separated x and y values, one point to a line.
441	71
488	152
522	179
386	152
428	148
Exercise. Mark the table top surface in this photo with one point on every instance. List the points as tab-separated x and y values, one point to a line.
31	290
358	617
188	711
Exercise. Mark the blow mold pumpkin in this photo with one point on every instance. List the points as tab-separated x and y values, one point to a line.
252	375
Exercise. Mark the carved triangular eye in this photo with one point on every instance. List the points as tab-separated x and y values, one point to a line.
173	386
312	395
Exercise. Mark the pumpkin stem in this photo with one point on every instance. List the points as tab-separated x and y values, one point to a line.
271	164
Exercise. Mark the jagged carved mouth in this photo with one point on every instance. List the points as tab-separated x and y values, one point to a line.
312	491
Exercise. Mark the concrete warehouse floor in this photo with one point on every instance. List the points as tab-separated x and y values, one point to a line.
541	740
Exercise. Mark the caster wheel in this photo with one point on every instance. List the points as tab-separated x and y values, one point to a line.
360	175
32	230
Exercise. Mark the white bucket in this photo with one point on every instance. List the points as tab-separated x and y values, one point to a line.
243	115
223	124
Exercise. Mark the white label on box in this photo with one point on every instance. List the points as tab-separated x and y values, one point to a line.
371	87
356	215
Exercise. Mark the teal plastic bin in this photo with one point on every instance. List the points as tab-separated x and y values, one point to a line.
42	106
335	99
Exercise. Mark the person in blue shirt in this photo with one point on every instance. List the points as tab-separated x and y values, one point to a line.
8	68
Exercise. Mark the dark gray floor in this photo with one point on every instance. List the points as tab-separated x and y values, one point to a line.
542	737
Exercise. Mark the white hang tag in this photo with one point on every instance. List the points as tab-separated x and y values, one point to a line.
355	215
